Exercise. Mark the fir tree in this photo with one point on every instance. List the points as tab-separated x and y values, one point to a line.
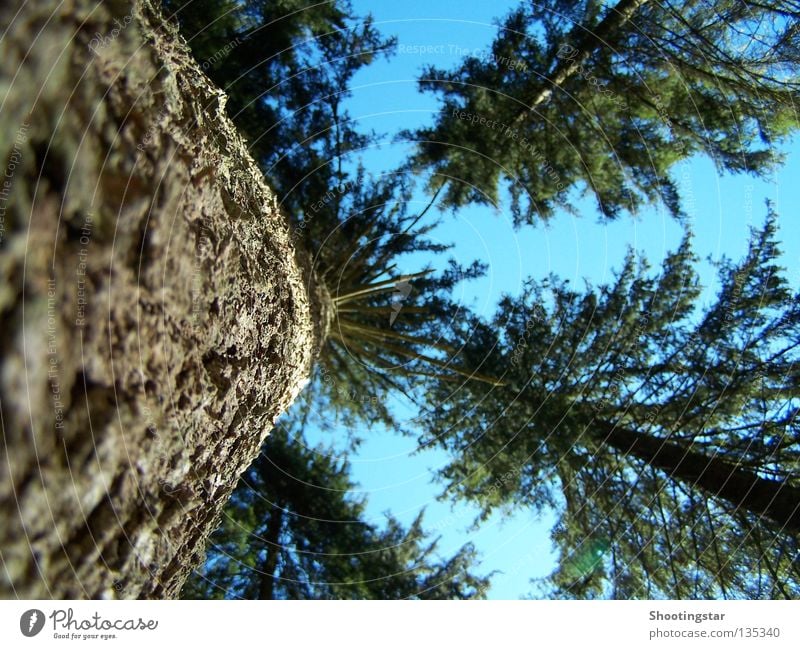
666	436
606	99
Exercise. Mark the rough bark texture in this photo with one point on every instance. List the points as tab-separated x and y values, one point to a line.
155	318
774	501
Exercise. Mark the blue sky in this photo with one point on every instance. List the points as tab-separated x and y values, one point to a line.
385	98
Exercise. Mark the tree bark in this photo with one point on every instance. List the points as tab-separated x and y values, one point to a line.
156	318
775	501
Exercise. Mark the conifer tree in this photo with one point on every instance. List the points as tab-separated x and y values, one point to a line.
666	436
605	99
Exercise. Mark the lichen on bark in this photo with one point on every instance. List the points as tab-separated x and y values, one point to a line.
156	317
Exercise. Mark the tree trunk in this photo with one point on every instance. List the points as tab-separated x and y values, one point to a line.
273	551
775	501
155	316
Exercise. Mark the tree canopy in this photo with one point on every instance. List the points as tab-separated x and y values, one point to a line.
606	99
665	434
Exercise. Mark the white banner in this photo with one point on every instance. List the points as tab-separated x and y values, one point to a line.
399	624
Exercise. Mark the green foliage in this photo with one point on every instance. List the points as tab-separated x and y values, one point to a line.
721	385
385	328
293	530
583	566
575	96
